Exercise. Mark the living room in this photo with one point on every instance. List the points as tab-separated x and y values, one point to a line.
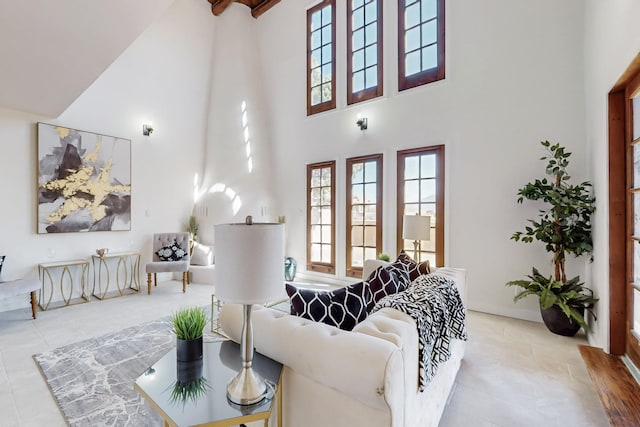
517	72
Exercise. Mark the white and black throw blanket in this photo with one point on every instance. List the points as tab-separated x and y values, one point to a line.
434	303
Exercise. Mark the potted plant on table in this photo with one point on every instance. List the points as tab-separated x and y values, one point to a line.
564	226
188	324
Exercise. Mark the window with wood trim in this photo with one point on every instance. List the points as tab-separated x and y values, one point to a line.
364	211
321	217
421	191
321	53
364	50
421	54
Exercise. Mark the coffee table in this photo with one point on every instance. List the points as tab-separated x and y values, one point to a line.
220	362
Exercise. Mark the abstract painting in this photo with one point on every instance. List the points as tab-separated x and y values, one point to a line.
84	181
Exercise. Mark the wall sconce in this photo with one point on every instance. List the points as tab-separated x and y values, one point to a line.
146	130
362	123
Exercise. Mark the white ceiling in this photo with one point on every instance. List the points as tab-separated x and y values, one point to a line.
51	51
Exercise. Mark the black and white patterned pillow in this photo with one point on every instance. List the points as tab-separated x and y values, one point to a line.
343	307
386	281
416	269
2	257
171	252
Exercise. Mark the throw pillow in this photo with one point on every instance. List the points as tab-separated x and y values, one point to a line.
201	254
385	281
2	257
171	252
342	307
415	269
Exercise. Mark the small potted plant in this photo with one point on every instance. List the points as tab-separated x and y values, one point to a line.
564	226
384	257
188	324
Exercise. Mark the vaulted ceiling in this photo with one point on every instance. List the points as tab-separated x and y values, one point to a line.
52	51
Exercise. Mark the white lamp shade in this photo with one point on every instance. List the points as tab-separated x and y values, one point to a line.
416	227
249	263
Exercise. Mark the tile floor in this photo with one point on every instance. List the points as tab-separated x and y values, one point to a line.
515	373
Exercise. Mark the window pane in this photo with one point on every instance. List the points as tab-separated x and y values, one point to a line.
315	215
371	77
411	167
412	15
428	190
357	172
315	39
370	214
358	81
326	15
371	12
636	262
315	233
429	9
315	58
429	33
370	195
358	18
358	39
371	33
411	209
326	54
411	192
430	245
315	253
357	195
315	76
326	234
315	197
357	236
371	55
326	216
357	3
635	108
326	253
326	34
428	166
357	215
636	164
326	73
357	257
326	177
636	217
370	171
429	209
326	92
315	95
358	60
315	20
370	236
430	57
636	310
412	39
369	253
326	196
412	63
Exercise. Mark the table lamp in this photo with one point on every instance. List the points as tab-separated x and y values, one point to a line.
417	228
249	260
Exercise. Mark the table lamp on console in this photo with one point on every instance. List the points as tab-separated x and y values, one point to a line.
249	270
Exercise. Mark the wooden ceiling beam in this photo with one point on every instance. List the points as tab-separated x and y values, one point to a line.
219	6
262	7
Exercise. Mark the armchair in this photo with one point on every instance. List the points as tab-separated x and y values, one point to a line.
167	257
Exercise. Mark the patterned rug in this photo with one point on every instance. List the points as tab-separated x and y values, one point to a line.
92	380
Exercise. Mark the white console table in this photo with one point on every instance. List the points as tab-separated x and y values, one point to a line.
46	272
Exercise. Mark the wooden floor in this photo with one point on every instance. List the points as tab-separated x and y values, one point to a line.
618	390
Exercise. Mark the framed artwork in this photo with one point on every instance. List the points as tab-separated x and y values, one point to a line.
84	181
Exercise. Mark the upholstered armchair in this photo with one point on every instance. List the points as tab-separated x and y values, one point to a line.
170	254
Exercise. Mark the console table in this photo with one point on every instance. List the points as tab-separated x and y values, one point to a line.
127	272
66	286
209	406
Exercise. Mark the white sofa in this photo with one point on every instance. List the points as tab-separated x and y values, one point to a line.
364	377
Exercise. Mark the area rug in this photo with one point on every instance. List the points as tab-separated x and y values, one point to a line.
92	380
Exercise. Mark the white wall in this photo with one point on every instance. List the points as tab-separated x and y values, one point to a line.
514	77
612	40
164	77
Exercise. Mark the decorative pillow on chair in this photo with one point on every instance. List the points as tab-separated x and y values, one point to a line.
201	254
386	281
171	252
415	269
343	307
2	257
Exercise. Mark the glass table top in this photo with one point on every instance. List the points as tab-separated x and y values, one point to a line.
200	397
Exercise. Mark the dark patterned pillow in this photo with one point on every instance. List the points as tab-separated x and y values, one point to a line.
415	269
343	307
171	252
385	281
2	257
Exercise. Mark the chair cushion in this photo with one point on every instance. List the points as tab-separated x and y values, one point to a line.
171	252
12	288
342	307
166	266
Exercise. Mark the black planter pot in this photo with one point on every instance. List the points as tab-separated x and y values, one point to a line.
558	322
189	371
188	350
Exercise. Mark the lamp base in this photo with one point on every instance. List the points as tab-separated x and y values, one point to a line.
247	388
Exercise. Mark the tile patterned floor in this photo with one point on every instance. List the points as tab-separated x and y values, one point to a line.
514	374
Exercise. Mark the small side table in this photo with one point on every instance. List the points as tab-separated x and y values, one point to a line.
127	273
66	286
221	362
